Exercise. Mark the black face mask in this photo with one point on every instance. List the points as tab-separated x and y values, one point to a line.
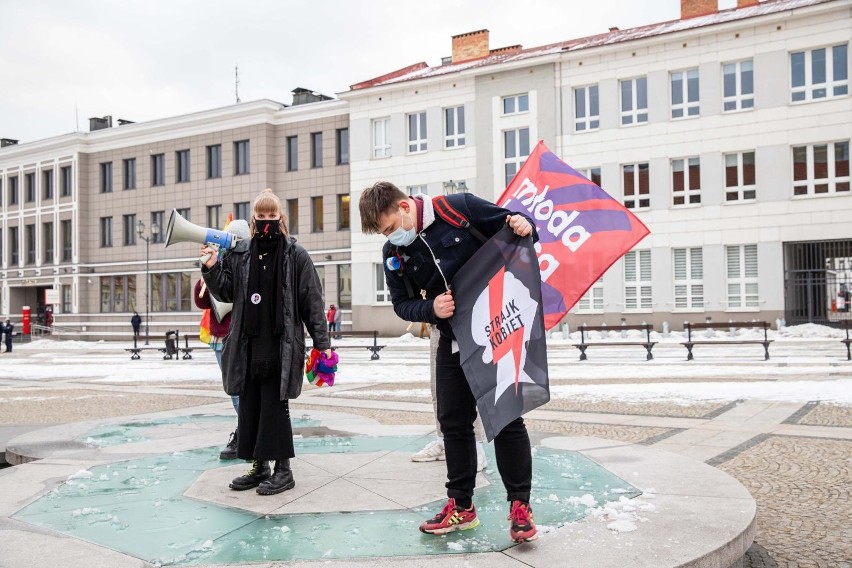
267	229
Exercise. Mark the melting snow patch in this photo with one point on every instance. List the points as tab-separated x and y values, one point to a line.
621	515
457	546
82	474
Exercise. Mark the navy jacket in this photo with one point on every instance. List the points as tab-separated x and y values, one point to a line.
452	247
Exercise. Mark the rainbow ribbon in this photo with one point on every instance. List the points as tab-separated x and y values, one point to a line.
320	369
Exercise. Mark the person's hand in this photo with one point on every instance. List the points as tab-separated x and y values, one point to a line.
327	353
210	260
444	305
519	225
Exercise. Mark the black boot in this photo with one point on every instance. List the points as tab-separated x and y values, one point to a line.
281	480
230	451
258	473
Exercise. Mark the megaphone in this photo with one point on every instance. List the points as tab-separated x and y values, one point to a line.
182	231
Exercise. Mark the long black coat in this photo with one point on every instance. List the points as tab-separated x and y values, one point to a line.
303	308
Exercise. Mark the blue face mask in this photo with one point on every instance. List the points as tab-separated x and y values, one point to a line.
402	237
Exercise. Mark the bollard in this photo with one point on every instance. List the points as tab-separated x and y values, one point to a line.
665	329
565	333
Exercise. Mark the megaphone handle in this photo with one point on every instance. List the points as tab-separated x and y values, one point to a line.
205	258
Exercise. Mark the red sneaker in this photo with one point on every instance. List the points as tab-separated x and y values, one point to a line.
451	518
522	528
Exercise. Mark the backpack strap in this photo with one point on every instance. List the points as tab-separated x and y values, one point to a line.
395	264
455	218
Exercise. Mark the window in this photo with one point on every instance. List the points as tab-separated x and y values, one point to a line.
586	108
242	210
214	161
182	166
684	93
292	153
130	173
128	230
241	157
454	127
47	184
635	182
688	278
344	286
66	181
739	177
819	73
742	276
106	232
381	138
29	182
183	213
592	174
634	101
320	270
47	239
316	149
417	189
342	211
342	144
738	85
417	132
293	216
66	298
13	246
592	300
382	292
686	181
13	191
516	148
214	215
65	229
118	294
106	177
158	169
158	218
171	292
516	104
637	280
30	235
821	168
316	214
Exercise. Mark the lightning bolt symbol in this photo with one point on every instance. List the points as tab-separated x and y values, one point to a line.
266	229
515	341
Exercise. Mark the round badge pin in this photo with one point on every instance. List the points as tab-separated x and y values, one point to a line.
255	298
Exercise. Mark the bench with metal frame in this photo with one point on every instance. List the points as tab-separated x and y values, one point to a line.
847	324
647	344
732	325
375	347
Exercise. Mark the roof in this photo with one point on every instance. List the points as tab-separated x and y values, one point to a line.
423	71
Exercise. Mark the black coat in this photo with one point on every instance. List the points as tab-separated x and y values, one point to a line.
303	308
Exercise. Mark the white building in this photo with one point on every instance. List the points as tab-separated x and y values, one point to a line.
727	132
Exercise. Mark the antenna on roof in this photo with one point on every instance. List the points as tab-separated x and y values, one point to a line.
237	82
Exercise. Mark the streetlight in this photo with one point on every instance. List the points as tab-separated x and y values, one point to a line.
155	230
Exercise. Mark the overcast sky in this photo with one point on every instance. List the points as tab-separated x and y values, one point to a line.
61	60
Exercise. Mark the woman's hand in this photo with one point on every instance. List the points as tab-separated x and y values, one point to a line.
519	225
210	260
444	305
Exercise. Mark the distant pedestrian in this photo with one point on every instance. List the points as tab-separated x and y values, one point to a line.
136	322
331	317
337	317
9	330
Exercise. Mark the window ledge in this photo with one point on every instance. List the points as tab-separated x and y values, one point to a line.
739	202
821	195
743	310
687	206
738	110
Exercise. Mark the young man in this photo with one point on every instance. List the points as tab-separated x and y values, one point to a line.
424	252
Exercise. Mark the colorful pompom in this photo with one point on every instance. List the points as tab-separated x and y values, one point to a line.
320	369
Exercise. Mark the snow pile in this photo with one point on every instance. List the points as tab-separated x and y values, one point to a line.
622	515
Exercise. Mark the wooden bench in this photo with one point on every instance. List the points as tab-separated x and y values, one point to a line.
167	356
375	347
647	344
134	351
690	343
847	324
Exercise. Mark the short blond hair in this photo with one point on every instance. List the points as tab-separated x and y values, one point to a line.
268	202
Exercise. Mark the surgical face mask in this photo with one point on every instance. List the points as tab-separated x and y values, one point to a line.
403	237
267	229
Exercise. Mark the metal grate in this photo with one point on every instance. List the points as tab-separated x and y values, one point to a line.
818	282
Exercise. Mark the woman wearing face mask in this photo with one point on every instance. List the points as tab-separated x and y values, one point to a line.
276	293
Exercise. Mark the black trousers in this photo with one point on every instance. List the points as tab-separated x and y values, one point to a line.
264	420
456	413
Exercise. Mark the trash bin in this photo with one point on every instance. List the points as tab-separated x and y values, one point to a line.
171	344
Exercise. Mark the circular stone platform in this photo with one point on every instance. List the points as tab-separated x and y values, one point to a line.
126	492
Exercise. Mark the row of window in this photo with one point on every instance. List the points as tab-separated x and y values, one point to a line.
341	144
818	169
417	143
48	253
815	74
47	185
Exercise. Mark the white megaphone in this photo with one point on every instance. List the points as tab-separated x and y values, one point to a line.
182	231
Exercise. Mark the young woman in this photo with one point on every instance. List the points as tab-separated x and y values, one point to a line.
276	293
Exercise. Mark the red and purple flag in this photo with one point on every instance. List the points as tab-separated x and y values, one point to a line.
582	230
499	327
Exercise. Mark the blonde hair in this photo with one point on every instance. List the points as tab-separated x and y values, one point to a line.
268	202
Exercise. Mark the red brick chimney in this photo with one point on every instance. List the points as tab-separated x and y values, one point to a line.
469	46
695	8
747	3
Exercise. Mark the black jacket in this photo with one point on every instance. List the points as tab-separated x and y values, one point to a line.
452	247
303	307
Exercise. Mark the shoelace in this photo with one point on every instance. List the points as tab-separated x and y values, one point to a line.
520	514
448	508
